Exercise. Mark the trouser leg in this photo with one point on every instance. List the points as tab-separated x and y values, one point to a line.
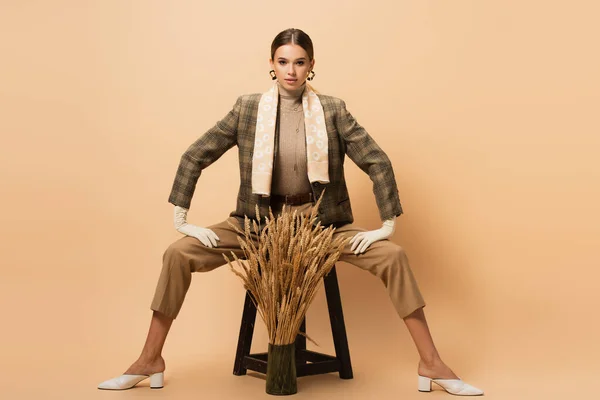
384	259
388	261
187	255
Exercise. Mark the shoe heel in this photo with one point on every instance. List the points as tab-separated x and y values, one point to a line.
424	384
156	380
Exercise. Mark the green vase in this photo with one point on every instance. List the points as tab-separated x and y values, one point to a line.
281	369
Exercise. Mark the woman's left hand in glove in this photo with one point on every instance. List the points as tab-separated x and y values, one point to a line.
362	240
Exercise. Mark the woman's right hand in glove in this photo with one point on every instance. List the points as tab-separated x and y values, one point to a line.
204	235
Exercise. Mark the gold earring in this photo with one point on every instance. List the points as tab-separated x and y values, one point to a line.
311	77
272	73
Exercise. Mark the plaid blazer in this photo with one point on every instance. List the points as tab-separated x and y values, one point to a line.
345	136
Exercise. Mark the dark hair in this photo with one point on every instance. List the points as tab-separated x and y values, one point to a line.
293	36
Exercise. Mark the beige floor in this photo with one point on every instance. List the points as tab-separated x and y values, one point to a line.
376	376
65	355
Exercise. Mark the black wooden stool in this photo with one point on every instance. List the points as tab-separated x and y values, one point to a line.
307	362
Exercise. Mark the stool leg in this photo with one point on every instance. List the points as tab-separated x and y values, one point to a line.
338	329
246	332
301	344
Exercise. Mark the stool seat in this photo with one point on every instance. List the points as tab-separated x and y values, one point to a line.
308	362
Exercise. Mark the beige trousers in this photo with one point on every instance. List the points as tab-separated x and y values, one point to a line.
383	258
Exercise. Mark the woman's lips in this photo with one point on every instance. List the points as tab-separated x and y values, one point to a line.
290	80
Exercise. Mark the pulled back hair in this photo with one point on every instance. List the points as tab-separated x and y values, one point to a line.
293	36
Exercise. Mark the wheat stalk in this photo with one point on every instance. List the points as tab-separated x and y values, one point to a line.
283	271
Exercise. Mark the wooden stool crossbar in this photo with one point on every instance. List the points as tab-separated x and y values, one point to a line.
308	362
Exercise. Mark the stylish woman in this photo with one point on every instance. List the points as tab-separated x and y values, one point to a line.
292	142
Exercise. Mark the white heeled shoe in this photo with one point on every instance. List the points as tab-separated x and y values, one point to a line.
127	381
452	386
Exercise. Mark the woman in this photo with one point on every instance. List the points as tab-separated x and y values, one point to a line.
292	143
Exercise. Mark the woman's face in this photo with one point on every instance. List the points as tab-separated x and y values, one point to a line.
291	65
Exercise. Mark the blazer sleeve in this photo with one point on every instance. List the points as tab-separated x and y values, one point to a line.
202	153
369	157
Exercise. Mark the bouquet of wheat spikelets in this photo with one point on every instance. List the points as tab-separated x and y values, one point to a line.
284	271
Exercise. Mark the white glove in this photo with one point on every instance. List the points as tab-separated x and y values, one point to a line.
362	240
204	235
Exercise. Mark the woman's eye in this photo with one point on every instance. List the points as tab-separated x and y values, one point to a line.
300	62
281	62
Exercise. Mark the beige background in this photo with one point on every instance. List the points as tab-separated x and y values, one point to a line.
488	111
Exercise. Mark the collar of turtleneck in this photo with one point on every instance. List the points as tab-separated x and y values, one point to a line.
294	95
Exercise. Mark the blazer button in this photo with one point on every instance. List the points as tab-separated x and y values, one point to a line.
316	184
